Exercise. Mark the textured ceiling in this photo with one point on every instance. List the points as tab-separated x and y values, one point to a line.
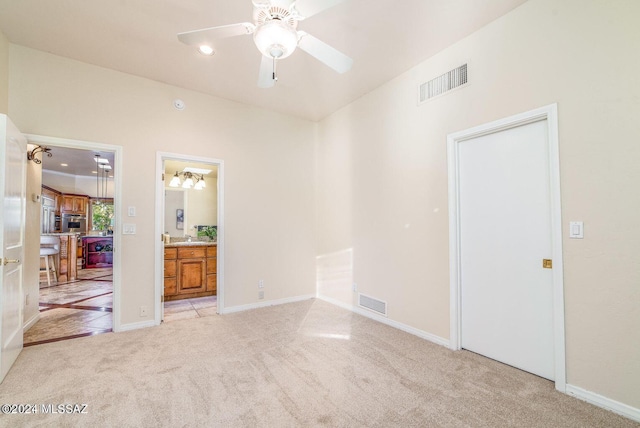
384	38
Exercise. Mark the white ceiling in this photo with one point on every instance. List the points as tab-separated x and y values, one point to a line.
384	37
78	161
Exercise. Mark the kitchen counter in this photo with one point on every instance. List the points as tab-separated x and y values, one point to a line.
190	244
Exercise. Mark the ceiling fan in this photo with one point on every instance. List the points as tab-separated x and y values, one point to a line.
275	34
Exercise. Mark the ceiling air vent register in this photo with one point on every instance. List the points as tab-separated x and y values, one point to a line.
442	84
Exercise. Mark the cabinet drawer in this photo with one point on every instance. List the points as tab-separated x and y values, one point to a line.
170	253
170	287
212	251
191	253
212	283
169	268
212	265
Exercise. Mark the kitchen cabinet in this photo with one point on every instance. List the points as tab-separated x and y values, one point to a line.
190	271
74	204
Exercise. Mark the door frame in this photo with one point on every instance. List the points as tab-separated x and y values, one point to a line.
547	113
159	229
117	207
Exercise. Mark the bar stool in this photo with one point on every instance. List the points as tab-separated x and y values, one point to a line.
49	248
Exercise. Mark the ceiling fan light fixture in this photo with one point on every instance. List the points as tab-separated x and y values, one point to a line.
275	39
206	50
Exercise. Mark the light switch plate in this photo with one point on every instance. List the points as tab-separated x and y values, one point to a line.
576	229
129	229
132	211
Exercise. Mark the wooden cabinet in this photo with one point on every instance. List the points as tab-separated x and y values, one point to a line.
74	204
190	272
212	269
170	269
97	251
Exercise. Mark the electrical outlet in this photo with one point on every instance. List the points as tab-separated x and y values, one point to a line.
261	283
260	294
143	311
355	287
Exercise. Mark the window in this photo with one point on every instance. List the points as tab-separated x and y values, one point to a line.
102	215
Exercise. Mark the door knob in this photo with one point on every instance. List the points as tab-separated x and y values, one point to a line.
7	261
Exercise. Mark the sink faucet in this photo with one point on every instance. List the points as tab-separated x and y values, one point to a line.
188	238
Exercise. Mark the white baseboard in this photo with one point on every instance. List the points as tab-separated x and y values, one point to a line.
135	325
604	402
384	320
34	319
229	310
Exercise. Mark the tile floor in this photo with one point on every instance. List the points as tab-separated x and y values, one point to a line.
190	308
83	307
75	308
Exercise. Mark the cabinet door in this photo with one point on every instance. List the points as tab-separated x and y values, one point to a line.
192	275
80	205
67	204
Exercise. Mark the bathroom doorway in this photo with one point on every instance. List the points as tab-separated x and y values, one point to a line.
190	253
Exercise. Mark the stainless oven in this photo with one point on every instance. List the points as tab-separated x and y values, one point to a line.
74	223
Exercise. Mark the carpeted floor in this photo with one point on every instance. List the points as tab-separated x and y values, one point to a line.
302	364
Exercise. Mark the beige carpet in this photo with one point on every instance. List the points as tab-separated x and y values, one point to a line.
301	364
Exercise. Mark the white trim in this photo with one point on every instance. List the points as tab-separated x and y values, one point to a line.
136	325
395	324
550	114
267	303
117	188
604	402
159	229
34	319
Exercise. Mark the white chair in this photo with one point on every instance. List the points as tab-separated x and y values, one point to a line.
49	248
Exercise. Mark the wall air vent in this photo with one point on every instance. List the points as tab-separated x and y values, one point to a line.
441	84
372	304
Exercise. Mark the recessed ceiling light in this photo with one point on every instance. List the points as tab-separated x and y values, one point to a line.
101	160
63	164
94	172
107	167
206	50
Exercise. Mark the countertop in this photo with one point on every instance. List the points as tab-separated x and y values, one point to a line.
190	244
98	236
62	234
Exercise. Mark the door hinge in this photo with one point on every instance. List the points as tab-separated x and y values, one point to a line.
547	263
163	176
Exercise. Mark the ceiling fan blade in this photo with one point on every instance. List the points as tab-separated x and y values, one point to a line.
307	8
207	35
324	53
265	78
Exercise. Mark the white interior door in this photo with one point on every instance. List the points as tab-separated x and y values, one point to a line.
13	153
505	233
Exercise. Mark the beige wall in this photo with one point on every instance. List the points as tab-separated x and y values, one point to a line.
4	74
382	175
268	179
33	213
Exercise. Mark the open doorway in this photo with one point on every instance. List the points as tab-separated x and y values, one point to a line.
78	286
189	217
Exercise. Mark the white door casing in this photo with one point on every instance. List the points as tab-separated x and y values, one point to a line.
117	210
471	171
13	178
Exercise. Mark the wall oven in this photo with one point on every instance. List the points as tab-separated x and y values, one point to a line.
74	223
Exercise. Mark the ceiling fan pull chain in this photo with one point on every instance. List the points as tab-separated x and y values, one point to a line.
275	76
